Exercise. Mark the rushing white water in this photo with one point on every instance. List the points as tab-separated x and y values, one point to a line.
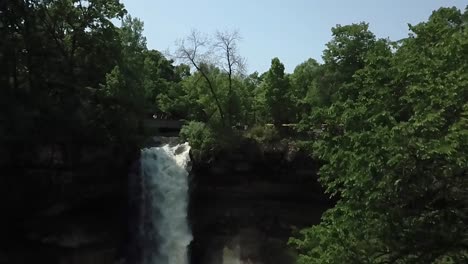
164	226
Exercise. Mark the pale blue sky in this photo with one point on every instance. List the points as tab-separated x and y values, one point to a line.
292	30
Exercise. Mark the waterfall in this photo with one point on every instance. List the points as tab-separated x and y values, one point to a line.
164	227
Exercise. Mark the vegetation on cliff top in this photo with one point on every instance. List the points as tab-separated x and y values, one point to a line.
395	146
389	119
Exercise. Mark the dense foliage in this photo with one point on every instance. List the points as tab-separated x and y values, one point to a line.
388	119
199	135
395	143
69	74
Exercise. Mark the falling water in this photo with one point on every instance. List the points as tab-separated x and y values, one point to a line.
164	227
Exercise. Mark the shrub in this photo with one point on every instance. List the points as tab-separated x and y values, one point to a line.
199	135
263	134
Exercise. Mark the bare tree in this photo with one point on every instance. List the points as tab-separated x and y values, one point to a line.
199	51
230	61
196	51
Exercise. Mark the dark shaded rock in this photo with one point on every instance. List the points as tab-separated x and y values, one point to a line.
78	203
246	203
64	203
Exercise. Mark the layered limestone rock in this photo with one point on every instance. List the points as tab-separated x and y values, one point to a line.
63	203
247	202
72	205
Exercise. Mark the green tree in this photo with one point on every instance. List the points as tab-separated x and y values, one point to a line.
55	55
304	87
277	93
395	150
344	55
70	73
251	108
208	58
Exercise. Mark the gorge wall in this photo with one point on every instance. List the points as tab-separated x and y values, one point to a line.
73	203
63	203
247	202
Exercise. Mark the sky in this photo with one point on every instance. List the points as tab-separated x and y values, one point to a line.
292	30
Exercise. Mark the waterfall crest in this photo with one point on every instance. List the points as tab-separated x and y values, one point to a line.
164	226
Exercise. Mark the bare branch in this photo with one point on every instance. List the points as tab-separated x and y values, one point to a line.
195	50
230	61
199	51
226	43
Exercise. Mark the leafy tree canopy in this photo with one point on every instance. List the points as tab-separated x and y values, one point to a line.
395	145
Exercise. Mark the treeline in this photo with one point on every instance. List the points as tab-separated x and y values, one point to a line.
395	145
69	74
387	118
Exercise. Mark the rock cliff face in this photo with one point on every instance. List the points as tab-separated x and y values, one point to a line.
63	203
245	203
71	204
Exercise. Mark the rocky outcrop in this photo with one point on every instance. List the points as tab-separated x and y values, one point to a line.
247	202
63	203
